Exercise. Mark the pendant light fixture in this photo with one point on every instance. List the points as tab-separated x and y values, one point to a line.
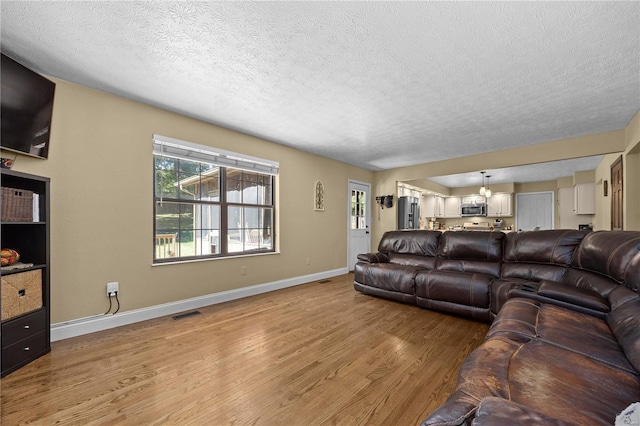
482	188
487	192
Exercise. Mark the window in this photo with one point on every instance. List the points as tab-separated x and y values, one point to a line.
210	203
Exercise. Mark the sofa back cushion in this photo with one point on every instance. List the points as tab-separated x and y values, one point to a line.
418	242
471	245
533	271
427	262
553	247
596	283
615	254
471	252
469	267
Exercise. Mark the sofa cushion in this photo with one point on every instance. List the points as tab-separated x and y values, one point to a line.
385	294
569	385
455	287
387	276
545	378
423	243
624	321
494	411
470	245
473	312
524	360
555	247
525	320
484	373
612	253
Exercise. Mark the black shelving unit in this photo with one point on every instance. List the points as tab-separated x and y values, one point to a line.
27	336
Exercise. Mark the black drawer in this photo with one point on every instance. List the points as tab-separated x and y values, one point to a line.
23	327
24	351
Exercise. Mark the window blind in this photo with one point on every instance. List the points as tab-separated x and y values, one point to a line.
176	148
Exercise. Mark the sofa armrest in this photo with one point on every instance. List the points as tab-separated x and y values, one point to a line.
494	411
373	258
458	410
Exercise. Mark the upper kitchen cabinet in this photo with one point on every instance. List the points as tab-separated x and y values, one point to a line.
584	198
441	207
433	206
499	205
452	207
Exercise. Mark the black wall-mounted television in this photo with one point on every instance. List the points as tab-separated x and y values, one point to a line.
25	110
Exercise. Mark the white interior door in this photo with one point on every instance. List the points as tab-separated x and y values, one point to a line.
534	211
359	221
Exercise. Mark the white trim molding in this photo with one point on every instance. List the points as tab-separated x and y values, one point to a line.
81	326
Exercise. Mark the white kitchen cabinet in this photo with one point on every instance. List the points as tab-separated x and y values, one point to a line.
584	198
452	207
499	205
434	206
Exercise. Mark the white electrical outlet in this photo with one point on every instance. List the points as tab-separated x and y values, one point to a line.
308	261
243	270
113	288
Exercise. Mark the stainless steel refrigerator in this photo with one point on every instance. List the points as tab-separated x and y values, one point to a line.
408	213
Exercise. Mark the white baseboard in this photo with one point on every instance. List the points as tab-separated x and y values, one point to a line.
78	327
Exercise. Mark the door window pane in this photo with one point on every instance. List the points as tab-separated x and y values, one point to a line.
358	210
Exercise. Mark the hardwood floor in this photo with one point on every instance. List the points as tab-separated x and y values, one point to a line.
319	353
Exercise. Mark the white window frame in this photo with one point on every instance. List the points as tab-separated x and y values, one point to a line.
226	161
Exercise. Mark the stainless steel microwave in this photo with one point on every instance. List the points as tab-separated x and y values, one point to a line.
468	210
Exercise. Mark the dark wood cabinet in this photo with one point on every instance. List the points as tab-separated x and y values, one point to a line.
25	335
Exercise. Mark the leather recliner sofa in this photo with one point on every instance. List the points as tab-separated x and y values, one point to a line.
564	344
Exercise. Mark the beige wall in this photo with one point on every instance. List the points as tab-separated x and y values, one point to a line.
631	160
631	185
100	165
565	182
602	218
549	185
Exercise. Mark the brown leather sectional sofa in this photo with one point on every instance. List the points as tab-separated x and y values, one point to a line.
564	343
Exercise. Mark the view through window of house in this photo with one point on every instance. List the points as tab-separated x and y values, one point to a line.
206	210
358	214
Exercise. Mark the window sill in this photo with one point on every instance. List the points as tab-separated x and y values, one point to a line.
208	259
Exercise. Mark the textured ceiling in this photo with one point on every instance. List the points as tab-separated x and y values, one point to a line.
375	84
551	170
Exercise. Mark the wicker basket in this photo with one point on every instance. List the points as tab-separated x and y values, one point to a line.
17	205
21	293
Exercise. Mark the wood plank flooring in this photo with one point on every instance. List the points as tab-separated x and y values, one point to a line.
315	354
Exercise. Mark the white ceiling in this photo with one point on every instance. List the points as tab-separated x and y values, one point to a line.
374	84
521	174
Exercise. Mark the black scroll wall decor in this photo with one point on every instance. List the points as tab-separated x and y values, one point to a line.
385	201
